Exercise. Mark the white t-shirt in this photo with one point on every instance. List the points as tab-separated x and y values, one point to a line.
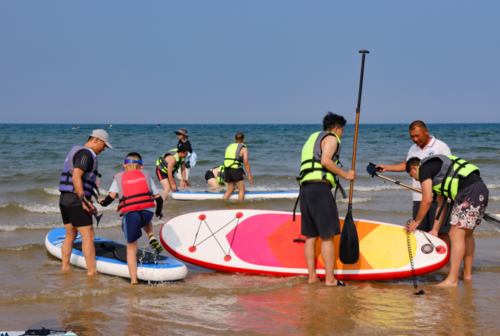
435	146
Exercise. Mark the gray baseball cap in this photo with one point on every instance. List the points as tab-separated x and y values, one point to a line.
101	135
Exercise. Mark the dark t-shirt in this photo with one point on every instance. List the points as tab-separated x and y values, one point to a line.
431	168
187	144
83	160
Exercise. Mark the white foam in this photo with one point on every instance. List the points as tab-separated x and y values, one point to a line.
494	198
355	200
4	205
52	191
379	187
48	226
40	208
493	186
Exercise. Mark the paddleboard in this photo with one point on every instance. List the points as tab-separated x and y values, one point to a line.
269	242
111	258
42	332
217	195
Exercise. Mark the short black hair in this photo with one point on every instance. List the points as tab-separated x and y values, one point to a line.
134	156
182	148
412	162
419	124
331	120
239	136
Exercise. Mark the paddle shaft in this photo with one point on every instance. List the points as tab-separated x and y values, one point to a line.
399	183
358	109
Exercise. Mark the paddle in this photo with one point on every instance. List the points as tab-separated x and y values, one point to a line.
493	220
93	212
349	242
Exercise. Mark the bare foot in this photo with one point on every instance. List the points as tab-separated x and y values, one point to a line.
313	280
66	269
92	273
463	277
447	283
335	283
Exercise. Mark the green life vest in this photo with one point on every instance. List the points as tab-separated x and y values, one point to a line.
162	162
220	176
445	183
233	159
311	168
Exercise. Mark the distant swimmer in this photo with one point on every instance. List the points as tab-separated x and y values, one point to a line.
425	145
159	125
167	165
137	195
78	177
450	177
215	177
184	139
236	156
110	126
319	214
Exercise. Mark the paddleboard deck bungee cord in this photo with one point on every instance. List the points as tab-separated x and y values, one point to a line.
111	258
269	243
217	195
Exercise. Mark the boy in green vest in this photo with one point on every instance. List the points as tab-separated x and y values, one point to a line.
236	156
319	214
451	177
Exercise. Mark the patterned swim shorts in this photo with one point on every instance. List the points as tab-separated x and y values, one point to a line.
470	205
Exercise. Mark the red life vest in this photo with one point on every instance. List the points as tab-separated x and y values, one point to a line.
135	191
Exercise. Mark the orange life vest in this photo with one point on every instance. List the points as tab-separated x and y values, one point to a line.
135	191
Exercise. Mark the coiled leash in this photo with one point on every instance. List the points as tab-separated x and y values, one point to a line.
410	254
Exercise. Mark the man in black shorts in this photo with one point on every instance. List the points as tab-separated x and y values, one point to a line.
78	177
451	177
319	215
236	156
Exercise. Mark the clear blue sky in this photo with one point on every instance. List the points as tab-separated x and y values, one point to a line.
248	61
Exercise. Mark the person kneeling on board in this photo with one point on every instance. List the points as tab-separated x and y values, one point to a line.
167	165
236	156
319	213
78	181
450	177
215	177
137	195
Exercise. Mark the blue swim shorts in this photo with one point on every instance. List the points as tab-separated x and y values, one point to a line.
133	223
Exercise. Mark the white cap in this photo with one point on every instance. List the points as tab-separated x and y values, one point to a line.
101	135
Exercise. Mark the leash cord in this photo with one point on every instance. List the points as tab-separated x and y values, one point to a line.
410	254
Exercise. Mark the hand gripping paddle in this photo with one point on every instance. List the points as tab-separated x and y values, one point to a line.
349	242
92	212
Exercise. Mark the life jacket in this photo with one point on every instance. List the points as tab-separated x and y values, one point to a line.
220	176
88	179
445	183
233	159
162	162
135	192
311	168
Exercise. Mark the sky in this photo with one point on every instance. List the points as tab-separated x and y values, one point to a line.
248	62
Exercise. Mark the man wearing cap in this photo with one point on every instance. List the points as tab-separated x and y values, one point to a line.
184	139
425	145
78	179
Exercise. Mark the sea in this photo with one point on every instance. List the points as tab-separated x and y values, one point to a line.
34	293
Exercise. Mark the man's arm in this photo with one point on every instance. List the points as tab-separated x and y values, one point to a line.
244	153
329	146
425	205
438	223
78	185
171	163
183	175
399	167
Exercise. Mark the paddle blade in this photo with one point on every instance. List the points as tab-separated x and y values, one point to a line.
371	169
349	242
98	219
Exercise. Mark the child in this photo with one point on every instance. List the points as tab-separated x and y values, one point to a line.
135	189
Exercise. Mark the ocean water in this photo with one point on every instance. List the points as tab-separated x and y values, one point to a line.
214	303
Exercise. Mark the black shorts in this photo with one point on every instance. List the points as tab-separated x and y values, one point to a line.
74	213
428	222
233	175
319	214
161	175
209	175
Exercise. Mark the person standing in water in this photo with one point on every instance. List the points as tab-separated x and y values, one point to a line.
78	178
425	145
319	214
184	140
236	156
167	165
451	177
